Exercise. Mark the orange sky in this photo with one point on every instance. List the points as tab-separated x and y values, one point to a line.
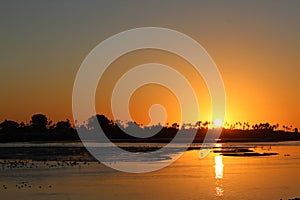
254	44
151	94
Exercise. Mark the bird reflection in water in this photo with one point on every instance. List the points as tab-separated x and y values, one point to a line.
219	175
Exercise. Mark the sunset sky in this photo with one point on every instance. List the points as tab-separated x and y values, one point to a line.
255	45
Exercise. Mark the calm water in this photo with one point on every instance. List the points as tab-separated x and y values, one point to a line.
214	177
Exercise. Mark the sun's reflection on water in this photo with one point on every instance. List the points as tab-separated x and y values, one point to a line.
219	167
219	175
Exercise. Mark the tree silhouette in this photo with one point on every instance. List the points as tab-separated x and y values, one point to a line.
198	124
11	131
39	121
284	127
8	125
175	125
248	125
205	124
63	125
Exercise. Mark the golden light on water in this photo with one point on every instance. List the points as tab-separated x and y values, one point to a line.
219	167
219	175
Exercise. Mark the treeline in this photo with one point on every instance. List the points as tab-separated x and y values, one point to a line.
41	128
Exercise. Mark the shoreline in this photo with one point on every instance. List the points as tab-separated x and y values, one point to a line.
78	152
155	140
